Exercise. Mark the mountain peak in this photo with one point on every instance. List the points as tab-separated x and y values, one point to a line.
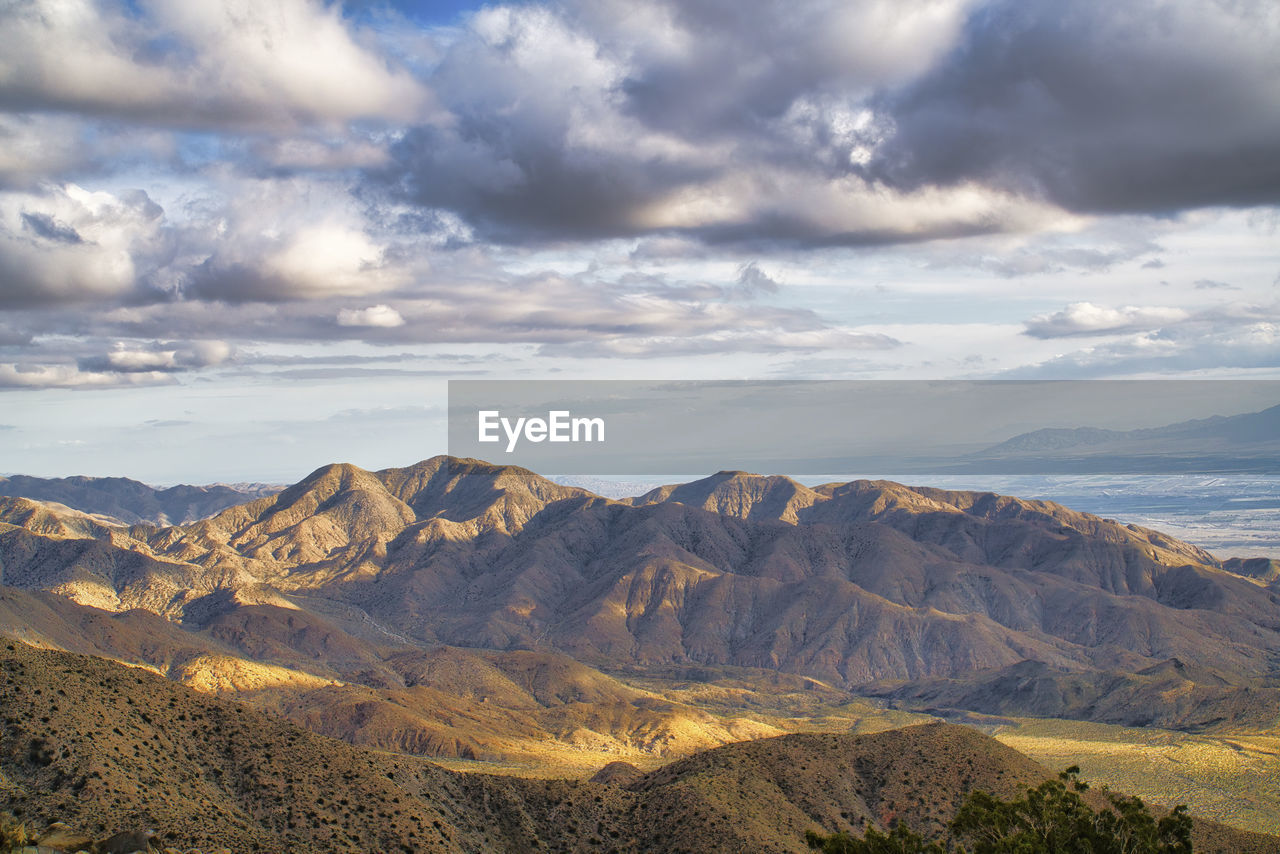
739	494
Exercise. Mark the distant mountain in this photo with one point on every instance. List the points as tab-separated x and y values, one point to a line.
1169	695
105	748
132	502
1263	569
1249	441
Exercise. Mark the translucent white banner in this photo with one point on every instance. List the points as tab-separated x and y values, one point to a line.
1042	427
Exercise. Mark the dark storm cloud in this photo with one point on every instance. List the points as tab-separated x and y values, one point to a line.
1098	106
582	121
11	337
517	183
744	72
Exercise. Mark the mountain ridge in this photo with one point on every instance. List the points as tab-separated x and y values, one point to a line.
332	586
133	502
106	748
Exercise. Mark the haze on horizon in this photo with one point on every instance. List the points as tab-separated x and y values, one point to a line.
241	240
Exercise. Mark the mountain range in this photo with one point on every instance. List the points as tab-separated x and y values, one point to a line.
133	502
460	610
1249	443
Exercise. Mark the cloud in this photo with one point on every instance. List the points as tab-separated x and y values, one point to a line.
44	225
754	282
378	315
1084	318
751	341
1175	351
11	337
188	63
468	301
1097	106
608	178
35	147
272	239
1088	247
68	244
78	363
488	305
127	358
851	124
281	239
1211	284
586	122
13	376
307	262
1236	336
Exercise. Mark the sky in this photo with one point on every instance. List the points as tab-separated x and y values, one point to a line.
240	240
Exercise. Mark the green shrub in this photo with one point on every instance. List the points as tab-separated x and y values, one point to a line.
1052	818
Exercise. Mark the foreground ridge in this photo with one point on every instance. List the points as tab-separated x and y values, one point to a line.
125	749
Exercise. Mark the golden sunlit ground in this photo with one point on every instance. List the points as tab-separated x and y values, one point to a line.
1232	778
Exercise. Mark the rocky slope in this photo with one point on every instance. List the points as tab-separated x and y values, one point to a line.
437	701
1169	695
850	584
106	748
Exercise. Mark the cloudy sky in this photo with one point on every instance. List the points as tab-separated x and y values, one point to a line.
242	238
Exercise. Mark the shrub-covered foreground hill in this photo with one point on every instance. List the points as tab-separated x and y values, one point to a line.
104	748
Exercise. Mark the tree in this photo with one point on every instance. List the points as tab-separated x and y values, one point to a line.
900	840
1054	819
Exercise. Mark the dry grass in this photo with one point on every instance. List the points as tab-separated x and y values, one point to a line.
1232	778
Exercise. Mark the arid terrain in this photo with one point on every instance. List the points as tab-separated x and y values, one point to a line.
455	619
99	746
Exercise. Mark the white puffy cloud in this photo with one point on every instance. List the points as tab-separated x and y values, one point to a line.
1236	336
132	357
1085	318
68	244
195	63
13	376
381	315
